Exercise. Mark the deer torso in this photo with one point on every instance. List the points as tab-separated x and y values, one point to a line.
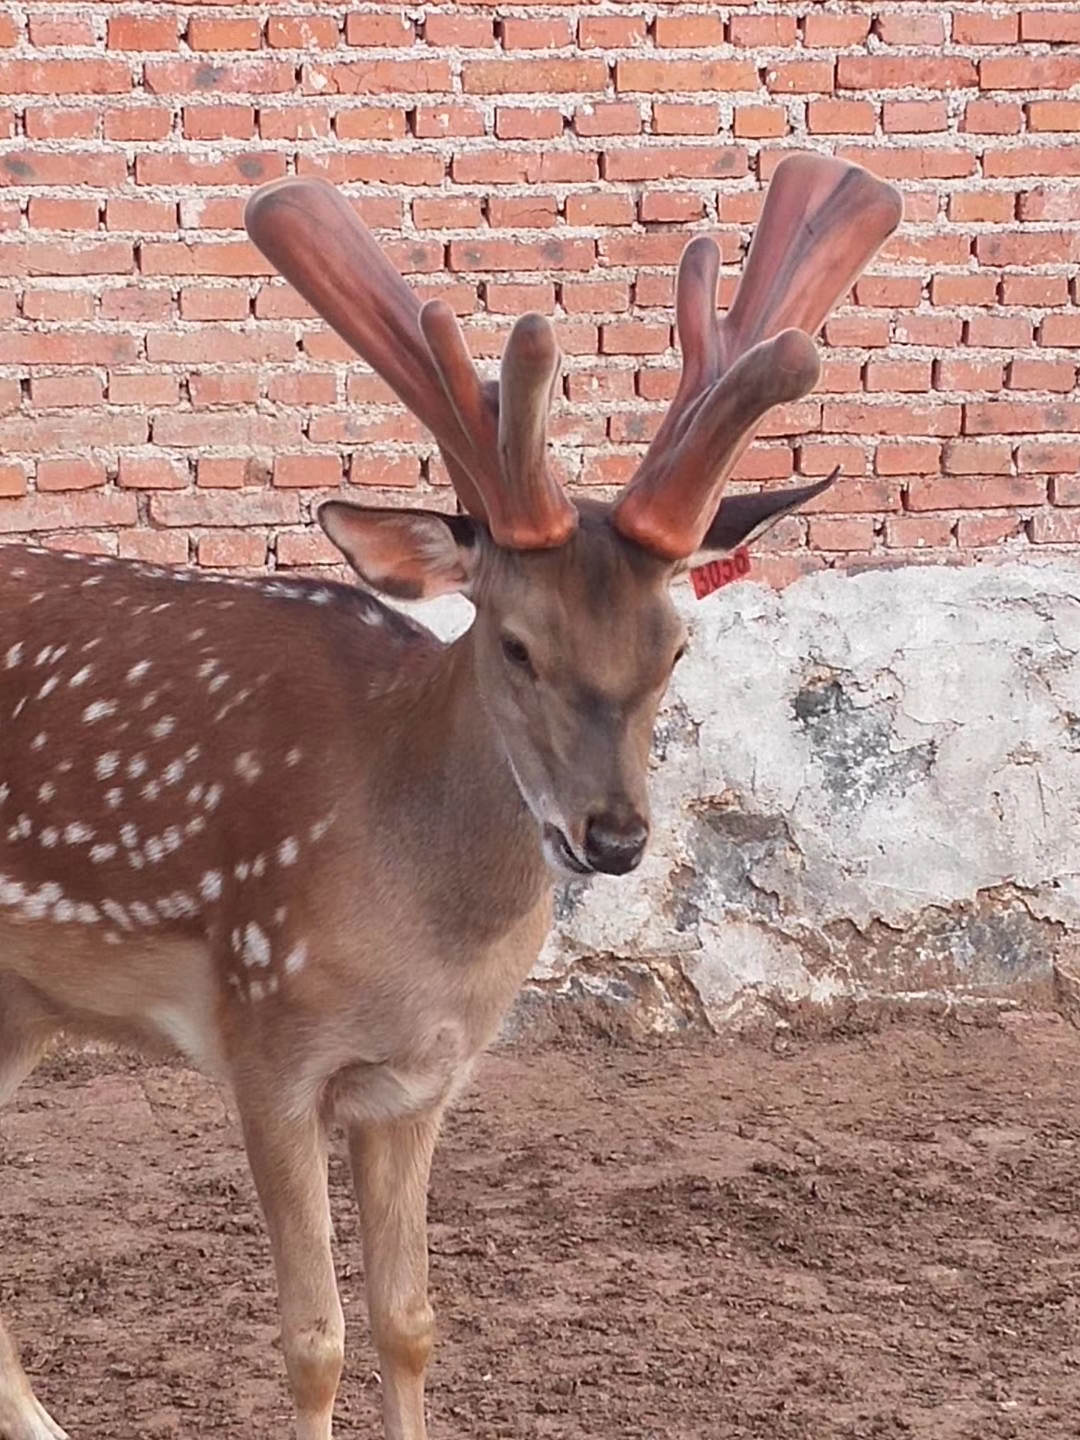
228	807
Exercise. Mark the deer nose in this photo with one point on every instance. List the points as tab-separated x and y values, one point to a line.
615	843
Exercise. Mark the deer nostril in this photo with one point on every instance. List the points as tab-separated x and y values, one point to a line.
614	844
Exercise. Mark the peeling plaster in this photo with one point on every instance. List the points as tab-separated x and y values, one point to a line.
864	786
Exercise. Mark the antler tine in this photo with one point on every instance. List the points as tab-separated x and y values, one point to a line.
822	221
535	513
322	247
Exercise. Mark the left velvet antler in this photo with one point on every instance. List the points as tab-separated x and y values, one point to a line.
492	436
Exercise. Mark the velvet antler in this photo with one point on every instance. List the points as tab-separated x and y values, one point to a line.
318	242
822	221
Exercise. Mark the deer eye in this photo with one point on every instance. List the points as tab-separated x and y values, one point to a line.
516	654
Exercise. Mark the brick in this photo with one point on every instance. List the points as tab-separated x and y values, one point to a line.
1065	490
977	531
306	550
975	492
1019	417
976	28
1061	329
310	470
1053	115
978	457
1044	72
1055	27
911	457
151	472
219	122
459	32
394	29
205	32
698	162
140	216
263	76
41	167
302	32
918	30
992	117
529	212
909	375
887	72
1056	527
12	479
1048	457
435	121
799	77
50	392
764	32
507	299
854	532
1006	332
612	32
953	373
142	33
139	122
232	550
841	117
65	77
453	212
971	288
143	388
914	116
865	417
227	472
521	77
1027	374
834	32
48	122
760	122
312	122
520	123
608	118
675	119
552	33
689	32
91	511
153	547
918	532
982	206
45	213
1034	290
665	76
395	472
671	207
57	305
75	473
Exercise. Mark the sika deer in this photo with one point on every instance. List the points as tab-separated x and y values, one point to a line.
285	830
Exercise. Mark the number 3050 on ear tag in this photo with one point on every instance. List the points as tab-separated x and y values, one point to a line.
707	578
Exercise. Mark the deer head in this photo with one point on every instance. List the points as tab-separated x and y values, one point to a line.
575	634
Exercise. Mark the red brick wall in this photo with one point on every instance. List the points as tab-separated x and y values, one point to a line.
162	394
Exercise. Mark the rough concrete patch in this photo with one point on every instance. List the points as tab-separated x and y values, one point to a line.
856	745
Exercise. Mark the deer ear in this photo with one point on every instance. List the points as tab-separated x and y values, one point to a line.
741	519
406	554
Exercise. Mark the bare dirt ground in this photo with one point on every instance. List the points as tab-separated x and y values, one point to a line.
876	1236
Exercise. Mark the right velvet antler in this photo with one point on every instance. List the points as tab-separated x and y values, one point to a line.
492	436
822	221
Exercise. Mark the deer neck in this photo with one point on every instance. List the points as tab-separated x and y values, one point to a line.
473	845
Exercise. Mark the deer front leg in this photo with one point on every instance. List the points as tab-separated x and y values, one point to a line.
288	1161
391	1163
24	1033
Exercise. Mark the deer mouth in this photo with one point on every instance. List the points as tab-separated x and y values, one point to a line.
560	853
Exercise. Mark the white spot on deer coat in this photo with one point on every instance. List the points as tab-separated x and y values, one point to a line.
106	765
256	945
288	851
81	676
247	767
98	710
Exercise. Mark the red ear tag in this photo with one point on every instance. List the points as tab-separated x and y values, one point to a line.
707	578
